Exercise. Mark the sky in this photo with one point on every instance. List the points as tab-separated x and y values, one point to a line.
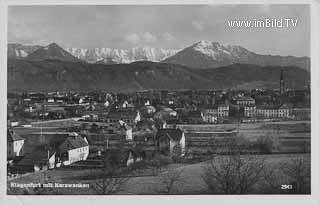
160	26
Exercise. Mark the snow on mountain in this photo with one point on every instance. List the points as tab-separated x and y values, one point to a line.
111	55
208	54
18	51
203	54
219	52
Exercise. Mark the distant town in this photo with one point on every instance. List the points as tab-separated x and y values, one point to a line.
146	130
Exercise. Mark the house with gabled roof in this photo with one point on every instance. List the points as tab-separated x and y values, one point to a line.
126	129
15	145
129	116
74	148
134	156
273	111
169	139
42	158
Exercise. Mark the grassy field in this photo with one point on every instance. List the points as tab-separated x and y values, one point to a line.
191	181
287	136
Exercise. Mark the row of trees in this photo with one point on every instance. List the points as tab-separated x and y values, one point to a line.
246	174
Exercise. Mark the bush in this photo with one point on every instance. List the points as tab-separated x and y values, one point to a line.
233	174
139	165
165	160
266	144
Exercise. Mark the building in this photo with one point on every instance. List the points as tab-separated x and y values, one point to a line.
192	117
126	129
210	117
128	116
15	145
282	111
214	113
267	111
148	109
73	149
245	101
301	113
133	157
250	111
171	141
42	158
219	111
223	110
165	113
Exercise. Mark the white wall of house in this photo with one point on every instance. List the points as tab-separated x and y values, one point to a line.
137	118
78	154
129	134
181	143
172	144
52	161
210	118
130	160
18	148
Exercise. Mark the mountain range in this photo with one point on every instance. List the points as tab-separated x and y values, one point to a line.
204	65
203	54
207	54
96	55
116	56
52	75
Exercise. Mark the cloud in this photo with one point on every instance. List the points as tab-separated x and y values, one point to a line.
149	37
197	25
133	38
167	37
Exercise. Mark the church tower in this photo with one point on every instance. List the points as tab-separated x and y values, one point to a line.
281	83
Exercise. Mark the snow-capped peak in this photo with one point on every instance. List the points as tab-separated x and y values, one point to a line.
111	55
217	51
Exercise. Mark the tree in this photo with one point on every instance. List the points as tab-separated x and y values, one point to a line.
271	183
298	172
94	128
169	180
109	184
176	153
267	144
234	174
110	179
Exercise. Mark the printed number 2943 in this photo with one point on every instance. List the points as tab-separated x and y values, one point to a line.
286	186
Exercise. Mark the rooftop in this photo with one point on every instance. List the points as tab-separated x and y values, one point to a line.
12	136
172	133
